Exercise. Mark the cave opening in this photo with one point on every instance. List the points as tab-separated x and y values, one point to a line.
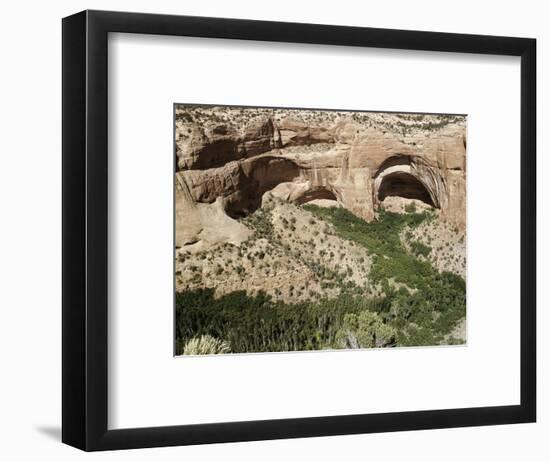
243	203
404	185
258	177
317	196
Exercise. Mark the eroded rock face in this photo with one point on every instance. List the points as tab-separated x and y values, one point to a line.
232	159
297	133
213	144
200	225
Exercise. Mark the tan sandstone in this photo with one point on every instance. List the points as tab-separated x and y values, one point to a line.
227	160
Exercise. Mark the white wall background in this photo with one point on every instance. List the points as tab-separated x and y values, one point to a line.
30	241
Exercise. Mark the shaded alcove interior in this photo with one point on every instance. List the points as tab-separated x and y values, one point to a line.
405	185
264	175
394	161
316	193
259	177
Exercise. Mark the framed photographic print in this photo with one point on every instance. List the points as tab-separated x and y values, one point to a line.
276	230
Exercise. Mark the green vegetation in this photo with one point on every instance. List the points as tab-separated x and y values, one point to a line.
434	302
413	304
364	330
410	207
260	324
205	344
419	249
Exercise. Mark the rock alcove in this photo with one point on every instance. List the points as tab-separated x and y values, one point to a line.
226	168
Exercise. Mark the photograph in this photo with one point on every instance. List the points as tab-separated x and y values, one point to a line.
306	229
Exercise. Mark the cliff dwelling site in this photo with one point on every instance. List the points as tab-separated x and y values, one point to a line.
300	230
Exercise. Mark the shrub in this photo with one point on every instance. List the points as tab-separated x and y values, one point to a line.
410	207
419	249
364	330
205	344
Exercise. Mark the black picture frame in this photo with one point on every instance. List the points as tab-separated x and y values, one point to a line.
85	223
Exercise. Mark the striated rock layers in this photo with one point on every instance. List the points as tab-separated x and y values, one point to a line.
223	169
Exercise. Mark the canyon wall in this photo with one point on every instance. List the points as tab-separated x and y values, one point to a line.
225	166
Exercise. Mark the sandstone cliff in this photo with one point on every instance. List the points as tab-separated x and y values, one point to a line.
228	158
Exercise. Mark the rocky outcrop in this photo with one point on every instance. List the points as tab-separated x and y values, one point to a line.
213	144
203	224
358	163
296	133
